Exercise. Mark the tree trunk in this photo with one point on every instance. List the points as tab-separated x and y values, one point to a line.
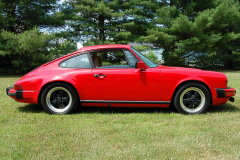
101	28
229	61
11	8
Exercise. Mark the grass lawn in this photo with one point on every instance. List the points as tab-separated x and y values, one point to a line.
27	132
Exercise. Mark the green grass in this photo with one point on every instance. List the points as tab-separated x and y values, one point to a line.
27	132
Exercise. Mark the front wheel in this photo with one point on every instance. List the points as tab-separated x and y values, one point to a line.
59	98
192	98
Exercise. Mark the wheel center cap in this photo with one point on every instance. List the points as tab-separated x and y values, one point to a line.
59	99
192	100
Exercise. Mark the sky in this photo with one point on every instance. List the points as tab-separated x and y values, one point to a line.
79	45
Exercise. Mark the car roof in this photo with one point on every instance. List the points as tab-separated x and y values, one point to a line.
89	48
109	46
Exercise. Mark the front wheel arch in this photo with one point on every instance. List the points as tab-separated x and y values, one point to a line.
190	81
50	83
192	98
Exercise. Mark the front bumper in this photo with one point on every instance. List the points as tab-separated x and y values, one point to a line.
222	95
226	93
22	95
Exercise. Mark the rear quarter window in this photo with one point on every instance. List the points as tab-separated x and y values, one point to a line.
80	61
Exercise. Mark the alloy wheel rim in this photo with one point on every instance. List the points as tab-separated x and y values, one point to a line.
59	99
192	99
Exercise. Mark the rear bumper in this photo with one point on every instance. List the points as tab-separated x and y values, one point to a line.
22	95
18	94
222	95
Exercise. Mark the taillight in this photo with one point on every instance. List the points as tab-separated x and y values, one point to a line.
18	87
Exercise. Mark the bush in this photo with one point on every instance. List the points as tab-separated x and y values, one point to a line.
23	52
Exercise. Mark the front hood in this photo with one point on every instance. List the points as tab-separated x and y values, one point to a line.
201	72
193	70
178	68
185	68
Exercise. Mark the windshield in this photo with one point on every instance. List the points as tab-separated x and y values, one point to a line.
148	62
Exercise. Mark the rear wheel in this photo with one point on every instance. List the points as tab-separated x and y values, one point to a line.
192	98
59	98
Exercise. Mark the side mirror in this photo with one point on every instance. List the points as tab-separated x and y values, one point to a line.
141	66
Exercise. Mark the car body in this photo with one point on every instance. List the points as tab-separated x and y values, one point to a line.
119	76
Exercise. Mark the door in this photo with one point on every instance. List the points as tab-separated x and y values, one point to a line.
117	79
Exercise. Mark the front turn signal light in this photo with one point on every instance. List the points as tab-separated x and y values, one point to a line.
230	93
18	87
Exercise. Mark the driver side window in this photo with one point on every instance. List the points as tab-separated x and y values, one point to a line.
109	59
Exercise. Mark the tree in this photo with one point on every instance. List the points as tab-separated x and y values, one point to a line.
109	21
22	46
62	47
150	55
214	31
24	15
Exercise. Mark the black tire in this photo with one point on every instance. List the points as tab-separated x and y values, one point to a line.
192	98
59	98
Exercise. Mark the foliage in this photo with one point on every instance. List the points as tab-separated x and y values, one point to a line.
93	42
24	15
205	61
62	48
213	30
109	21
22	46
183	28
141	48
23	52
113	57
150	55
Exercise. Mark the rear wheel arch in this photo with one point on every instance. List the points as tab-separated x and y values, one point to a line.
50	83
190	81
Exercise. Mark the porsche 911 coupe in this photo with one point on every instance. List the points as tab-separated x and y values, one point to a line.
119	76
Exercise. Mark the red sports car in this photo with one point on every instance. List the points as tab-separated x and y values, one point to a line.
119	76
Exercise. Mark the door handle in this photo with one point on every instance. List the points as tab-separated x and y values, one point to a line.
97	75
